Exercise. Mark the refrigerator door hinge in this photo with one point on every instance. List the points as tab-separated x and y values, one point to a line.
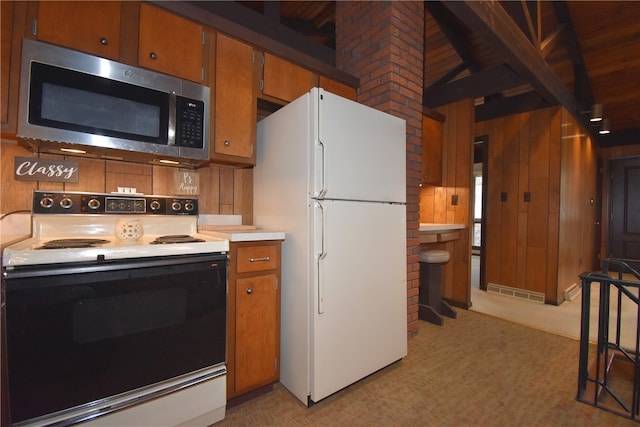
34	27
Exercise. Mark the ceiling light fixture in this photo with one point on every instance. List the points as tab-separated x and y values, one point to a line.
596	113
604	127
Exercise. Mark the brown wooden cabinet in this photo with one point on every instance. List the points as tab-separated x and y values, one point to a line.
87	26
253	316
431	151
234	112
338	88
284	80
170	44
5	60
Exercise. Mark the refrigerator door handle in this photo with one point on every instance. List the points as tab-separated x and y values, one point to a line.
320	170
320	255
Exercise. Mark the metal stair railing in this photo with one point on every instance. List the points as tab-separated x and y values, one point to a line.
608	344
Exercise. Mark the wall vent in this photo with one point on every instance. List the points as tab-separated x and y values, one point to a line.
516	293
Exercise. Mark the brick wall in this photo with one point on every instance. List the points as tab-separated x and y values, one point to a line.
382	44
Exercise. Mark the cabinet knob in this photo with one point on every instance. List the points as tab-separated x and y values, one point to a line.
153	55
249	291
104	41
227	143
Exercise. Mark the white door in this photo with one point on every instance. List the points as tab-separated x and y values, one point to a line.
359	296
360	152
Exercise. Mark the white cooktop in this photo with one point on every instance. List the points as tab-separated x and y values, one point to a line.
51	227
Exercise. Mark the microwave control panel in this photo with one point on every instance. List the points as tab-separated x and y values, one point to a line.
189	122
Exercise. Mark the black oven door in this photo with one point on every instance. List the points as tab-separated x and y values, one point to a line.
80	333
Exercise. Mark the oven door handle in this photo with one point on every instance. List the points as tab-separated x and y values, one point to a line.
102	265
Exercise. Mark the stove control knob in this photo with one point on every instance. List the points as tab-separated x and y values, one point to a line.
46	202
154	205
188	206
93	204
176	206
66	203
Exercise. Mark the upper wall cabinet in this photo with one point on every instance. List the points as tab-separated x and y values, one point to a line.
235	111
431	151
338	88
170	44
88	26
5	59
284	80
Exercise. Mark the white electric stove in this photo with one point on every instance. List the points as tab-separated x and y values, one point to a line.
78	227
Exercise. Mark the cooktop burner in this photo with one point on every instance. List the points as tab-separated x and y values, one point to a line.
72	243
175	238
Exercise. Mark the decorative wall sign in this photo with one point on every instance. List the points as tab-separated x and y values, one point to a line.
186	183
35	169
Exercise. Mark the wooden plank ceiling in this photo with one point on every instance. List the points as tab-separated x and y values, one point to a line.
509	56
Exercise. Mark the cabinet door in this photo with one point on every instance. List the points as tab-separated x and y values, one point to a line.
88	26
336	87
257	332
170	44
5	61
284	80
431	151
235	101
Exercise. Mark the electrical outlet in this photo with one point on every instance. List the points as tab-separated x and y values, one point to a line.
127	190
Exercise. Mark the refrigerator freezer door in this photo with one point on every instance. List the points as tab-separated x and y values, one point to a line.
359	320
359	153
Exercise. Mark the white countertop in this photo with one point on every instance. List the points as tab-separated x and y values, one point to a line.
248	234
433	227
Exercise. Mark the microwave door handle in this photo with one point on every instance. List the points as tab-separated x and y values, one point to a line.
171	137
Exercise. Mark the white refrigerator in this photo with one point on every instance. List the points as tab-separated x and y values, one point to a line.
331	174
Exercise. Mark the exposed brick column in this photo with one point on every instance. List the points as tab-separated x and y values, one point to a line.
382	43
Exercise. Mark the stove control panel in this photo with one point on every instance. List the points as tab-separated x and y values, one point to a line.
58	202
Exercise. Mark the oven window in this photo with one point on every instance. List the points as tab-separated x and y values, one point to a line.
73	339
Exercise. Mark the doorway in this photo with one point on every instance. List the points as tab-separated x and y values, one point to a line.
624	204
479	186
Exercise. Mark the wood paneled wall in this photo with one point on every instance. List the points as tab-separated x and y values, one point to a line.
578	177
521	237
223	190
543	244
436	202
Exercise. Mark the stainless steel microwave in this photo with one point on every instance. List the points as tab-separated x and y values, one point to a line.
74	101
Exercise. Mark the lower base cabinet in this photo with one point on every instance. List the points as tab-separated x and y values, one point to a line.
253	316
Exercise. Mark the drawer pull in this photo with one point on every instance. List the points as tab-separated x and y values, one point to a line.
266	258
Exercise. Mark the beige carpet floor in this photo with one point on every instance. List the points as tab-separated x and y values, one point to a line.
476	370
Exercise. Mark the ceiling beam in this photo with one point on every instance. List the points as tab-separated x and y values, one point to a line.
454	33
582	86
507	106
486	82
492	24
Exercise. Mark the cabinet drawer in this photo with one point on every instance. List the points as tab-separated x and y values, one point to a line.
257	258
